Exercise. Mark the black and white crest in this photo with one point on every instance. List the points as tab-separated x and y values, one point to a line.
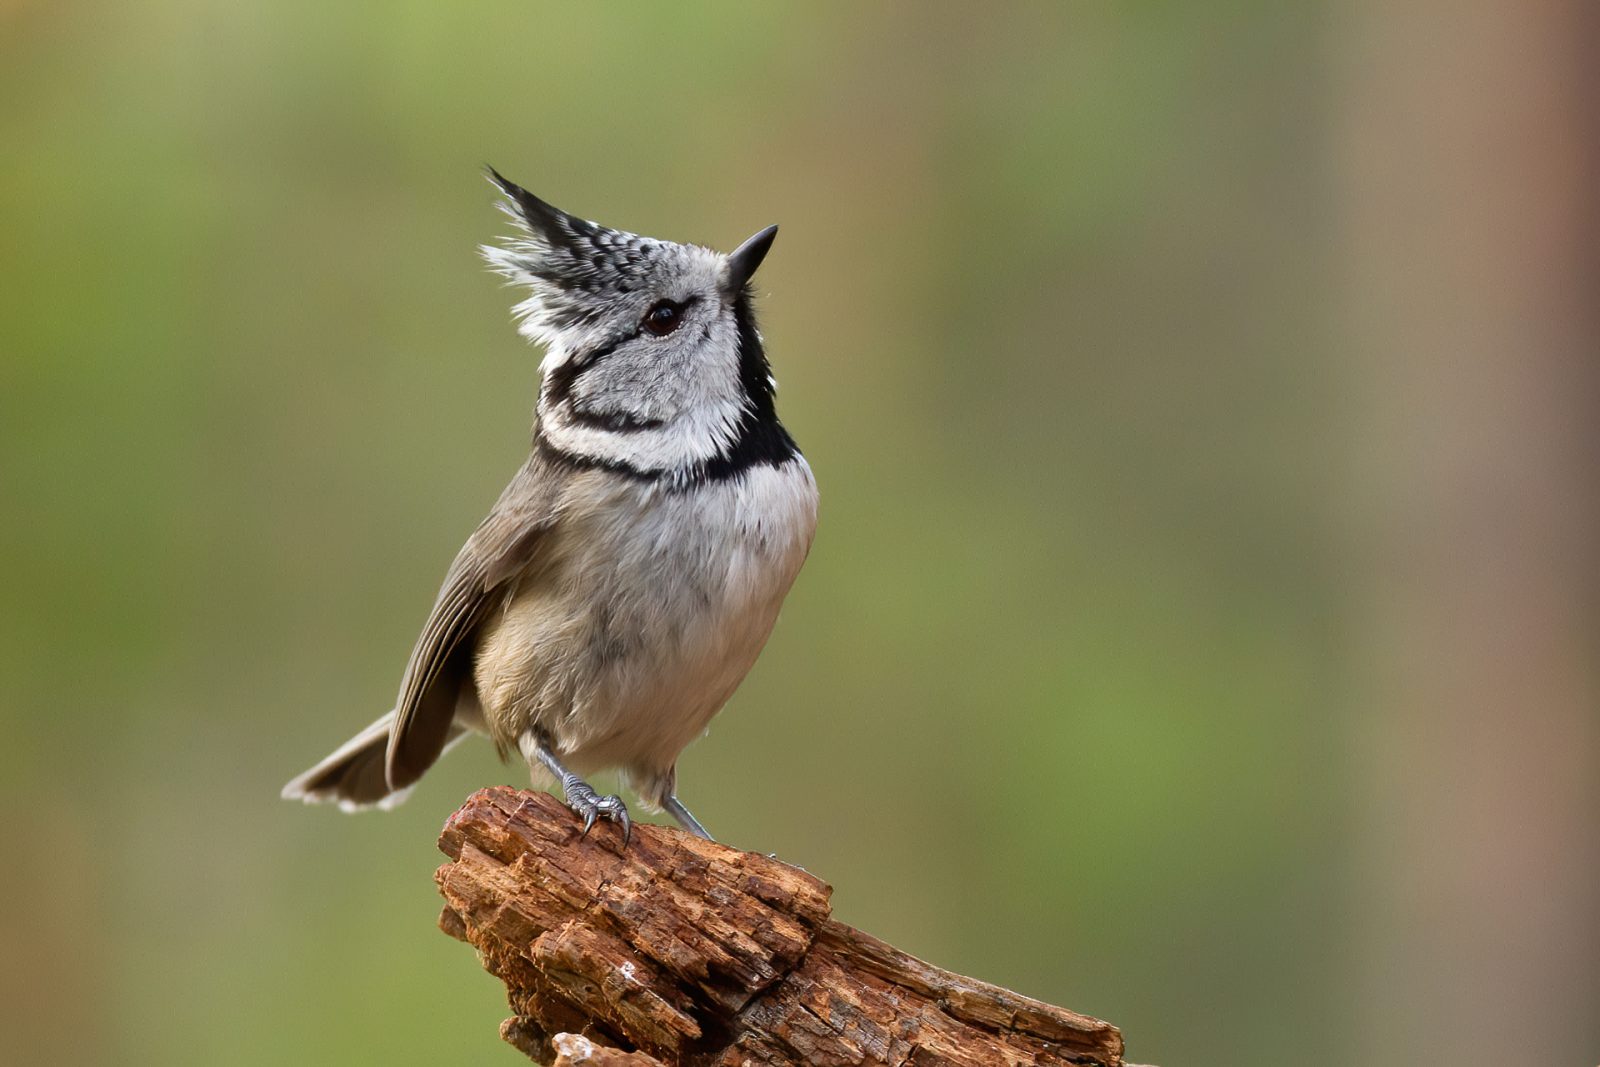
576	267
573	253
655	365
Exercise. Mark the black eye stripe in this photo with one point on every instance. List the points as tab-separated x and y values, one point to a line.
584	360
563	378
616	421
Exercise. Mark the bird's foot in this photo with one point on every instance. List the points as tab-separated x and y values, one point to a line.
580	795
582	799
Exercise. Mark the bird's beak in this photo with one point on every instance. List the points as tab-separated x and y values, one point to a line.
747	257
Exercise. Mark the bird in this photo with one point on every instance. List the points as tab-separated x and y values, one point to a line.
625	581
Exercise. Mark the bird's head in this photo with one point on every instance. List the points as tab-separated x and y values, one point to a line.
653	361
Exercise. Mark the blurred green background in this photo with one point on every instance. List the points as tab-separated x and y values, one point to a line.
1200	631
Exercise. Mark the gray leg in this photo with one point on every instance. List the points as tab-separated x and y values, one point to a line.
674	807
580	795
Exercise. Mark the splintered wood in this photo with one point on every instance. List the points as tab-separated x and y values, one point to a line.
680	951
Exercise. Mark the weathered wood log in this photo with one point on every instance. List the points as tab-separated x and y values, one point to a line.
679	951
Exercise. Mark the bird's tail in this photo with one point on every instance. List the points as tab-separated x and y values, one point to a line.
353	776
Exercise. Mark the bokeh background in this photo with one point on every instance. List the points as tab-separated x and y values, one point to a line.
1201	631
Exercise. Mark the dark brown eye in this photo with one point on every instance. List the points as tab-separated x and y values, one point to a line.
663	318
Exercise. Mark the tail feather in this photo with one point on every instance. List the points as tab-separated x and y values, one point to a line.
353	776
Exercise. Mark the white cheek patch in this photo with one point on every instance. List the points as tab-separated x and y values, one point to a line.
692	389
695	436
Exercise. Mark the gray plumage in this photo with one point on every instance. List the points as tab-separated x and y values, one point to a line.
628	576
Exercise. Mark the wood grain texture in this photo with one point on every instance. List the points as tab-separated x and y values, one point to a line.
685	952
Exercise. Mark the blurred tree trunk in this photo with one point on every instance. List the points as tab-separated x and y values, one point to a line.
1468	142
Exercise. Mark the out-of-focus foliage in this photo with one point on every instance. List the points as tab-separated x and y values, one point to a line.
1059	700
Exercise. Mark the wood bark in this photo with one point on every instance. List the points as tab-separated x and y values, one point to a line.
678	951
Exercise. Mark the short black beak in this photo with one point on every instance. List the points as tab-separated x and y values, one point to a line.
747	257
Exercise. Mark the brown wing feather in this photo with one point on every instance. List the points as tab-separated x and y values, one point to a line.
441	662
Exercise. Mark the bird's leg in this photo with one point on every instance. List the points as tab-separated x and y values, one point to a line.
580	795
674	807
662	788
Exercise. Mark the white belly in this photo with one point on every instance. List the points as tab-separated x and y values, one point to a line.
649	608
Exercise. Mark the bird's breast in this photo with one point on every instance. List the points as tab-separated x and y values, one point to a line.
645	612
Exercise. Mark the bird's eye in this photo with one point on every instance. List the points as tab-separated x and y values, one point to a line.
664	317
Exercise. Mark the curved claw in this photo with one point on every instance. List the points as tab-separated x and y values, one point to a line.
613	808
586	802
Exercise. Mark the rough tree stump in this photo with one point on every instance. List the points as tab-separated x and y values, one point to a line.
686	952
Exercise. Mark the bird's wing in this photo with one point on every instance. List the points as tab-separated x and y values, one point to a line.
497	551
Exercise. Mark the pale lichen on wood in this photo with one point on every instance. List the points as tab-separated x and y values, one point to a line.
685	952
